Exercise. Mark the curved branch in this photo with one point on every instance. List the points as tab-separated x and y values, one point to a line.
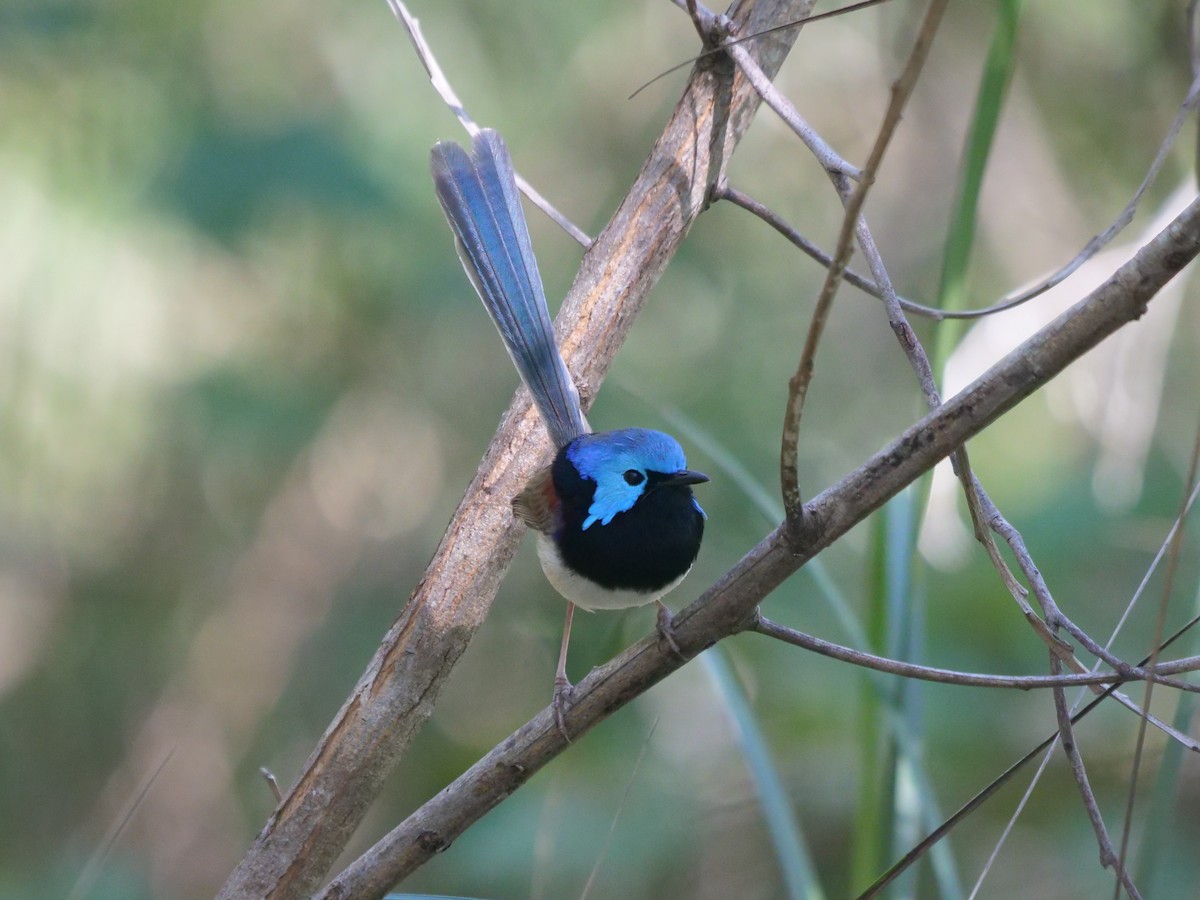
767	628
853	200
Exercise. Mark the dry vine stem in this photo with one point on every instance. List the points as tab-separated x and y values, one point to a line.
852	225
397	693
728	607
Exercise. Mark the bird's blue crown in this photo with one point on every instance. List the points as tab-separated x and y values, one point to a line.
606	458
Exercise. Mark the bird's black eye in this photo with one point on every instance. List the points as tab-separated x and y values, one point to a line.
634	477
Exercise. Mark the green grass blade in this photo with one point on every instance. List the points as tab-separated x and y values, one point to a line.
960	239
786	836
872	819
952	290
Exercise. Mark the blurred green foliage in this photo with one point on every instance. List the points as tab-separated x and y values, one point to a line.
243	383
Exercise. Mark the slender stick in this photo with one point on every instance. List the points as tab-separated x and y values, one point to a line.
1160	625
768	628
851	226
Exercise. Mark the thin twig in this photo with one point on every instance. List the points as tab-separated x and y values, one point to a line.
1160	625
95	864
442	85
982	509
772	629
1093	246
980	505
1056	618
612	826
851	224
986	518
1066	737
978	500
915	853
1162	550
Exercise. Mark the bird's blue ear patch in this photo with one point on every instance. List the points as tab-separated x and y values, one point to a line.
608	501
605	458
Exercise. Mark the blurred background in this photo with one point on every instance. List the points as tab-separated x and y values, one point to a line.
244	381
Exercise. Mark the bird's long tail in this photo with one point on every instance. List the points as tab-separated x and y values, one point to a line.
479	195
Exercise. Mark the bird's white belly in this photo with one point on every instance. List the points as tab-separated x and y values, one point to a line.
587	594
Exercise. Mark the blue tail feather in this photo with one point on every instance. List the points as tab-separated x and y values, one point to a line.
478	193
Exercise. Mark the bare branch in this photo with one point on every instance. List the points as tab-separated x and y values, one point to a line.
1187	741
442	85
1160	624
984	514
754	207
1066	736
959	815
1093	246
851	225
729	606
983	511
1055	617
771	629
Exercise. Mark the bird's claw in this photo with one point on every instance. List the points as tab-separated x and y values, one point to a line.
561	703
665	626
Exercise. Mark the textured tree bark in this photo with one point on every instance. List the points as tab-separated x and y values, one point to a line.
397	693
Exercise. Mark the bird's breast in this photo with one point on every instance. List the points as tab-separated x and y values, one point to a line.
645	550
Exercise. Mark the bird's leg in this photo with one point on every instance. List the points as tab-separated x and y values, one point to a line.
666	628
562	686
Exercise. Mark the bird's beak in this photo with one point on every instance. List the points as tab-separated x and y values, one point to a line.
685	476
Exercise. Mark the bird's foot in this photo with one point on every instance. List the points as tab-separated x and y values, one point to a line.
665	626
563	691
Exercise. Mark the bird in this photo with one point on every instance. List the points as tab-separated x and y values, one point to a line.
616	521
